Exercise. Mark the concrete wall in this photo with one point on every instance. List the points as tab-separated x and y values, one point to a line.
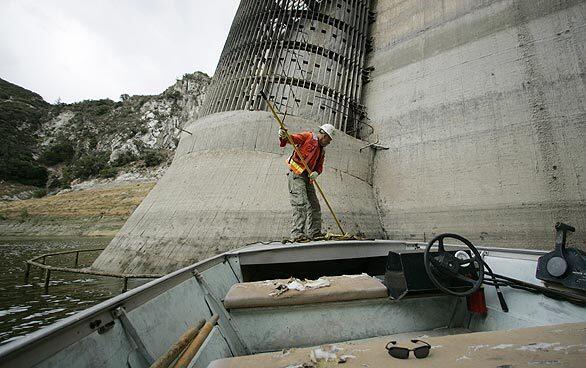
482	104
227	187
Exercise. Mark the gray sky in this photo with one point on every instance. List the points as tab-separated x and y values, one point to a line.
78	49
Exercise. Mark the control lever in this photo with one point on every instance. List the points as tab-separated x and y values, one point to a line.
558	265
563	265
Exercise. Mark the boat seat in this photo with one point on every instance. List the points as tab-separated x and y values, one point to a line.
341	288
561	345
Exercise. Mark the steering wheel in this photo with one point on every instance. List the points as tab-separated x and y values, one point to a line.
444	263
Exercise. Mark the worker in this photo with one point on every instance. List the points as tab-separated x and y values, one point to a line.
306	209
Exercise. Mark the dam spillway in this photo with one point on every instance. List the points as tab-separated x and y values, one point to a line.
481	104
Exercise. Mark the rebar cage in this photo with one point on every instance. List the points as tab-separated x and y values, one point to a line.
307	55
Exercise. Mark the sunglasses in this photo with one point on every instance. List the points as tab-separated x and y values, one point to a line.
403	353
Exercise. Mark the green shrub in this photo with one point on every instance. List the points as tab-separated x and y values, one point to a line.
24	171
124	158
39	193
55	182
108	172
88	165
24	214
153	157
102	110
175	95
60	151
66	177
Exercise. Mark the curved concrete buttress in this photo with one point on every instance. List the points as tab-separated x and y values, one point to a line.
227	187
482	104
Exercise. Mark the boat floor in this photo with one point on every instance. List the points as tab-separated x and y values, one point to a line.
559	345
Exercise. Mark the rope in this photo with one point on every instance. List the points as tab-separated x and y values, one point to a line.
328	236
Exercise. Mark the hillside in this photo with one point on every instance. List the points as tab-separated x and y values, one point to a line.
81	169
21	116
97	211
55	146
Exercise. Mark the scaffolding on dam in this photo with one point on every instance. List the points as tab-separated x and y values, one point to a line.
306	55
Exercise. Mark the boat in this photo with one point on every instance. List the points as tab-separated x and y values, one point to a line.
329	303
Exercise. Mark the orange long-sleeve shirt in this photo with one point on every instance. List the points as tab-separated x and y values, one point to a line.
310	149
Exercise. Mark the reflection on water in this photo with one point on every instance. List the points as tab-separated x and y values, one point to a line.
27	307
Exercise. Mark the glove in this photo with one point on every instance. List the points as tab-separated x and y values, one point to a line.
282	134
313	175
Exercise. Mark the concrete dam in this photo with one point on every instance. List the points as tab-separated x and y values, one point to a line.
478	104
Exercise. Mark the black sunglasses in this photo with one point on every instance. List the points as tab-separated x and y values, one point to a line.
403	353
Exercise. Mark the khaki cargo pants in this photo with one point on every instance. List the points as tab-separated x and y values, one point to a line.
306	209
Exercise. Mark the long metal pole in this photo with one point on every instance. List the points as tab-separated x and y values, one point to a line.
264	96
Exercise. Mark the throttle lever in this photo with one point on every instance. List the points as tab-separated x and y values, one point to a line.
557	266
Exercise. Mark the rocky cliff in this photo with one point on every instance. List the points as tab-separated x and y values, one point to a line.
64	144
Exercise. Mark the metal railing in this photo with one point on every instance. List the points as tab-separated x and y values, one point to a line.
41	262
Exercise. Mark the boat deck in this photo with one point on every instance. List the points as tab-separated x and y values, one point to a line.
560	345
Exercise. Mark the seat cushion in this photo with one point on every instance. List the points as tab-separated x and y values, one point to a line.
340	288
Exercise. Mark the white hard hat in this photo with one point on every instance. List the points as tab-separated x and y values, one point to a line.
328	129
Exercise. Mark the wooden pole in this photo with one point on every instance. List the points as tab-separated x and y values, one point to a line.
193	348
47	278
27	272
178	346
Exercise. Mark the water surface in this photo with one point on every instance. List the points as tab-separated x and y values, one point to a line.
26	307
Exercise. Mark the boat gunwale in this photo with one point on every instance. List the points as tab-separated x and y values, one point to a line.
130	300
257	250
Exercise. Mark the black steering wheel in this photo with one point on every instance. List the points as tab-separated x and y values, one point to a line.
441	264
